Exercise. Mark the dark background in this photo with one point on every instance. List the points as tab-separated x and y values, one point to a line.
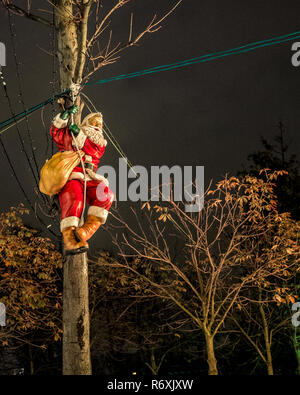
210	114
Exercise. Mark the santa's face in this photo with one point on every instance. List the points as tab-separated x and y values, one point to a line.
96	121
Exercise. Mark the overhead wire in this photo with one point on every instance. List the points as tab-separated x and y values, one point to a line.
12	166
33	167
34	171
19	83
204	58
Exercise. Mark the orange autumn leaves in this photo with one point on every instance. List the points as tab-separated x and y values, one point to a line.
29	281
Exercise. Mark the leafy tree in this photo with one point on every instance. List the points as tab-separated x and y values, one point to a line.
30	278
275	156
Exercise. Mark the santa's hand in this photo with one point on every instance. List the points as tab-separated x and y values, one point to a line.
98	177
73	110
74	129
65	115
75	88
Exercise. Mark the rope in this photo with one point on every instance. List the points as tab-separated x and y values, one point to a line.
130	164
110	136
84	172
108	132
81	161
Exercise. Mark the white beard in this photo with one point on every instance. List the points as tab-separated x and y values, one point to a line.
95	134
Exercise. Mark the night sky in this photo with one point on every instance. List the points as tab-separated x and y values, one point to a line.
210	114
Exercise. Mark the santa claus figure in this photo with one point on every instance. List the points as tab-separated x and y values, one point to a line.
89	139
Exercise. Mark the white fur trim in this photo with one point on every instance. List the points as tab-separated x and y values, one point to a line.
99	212
80	139
69	221
58	122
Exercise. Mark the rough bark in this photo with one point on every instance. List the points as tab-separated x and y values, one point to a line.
31	363
67	44
76	325
82	40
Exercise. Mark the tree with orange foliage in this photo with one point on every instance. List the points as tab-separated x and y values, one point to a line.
30	277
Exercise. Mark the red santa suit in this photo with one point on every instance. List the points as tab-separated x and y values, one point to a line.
98	195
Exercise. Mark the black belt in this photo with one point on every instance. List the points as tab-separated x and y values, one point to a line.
89	166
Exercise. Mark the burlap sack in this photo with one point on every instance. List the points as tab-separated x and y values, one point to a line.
57	170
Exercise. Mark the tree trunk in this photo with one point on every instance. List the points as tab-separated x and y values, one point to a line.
67	44
269	358
31	363
154	367
76	325
211	359
269	361
295	340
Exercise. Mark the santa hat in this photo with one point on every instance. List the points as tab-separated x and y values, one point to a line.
85	122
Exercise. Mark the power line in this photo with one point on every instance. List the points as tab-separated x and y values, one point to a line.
19	133
201	59
12	166
19	80
35	169
20	117
204	58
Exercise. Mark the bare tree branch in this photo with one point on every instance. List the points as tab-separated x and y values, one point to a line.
109	56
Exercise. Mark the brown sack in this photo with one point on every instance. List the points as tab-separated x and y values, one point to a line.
56	171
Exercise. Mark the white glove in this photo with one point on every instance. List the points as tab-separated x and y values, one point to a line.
97	177
75	89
